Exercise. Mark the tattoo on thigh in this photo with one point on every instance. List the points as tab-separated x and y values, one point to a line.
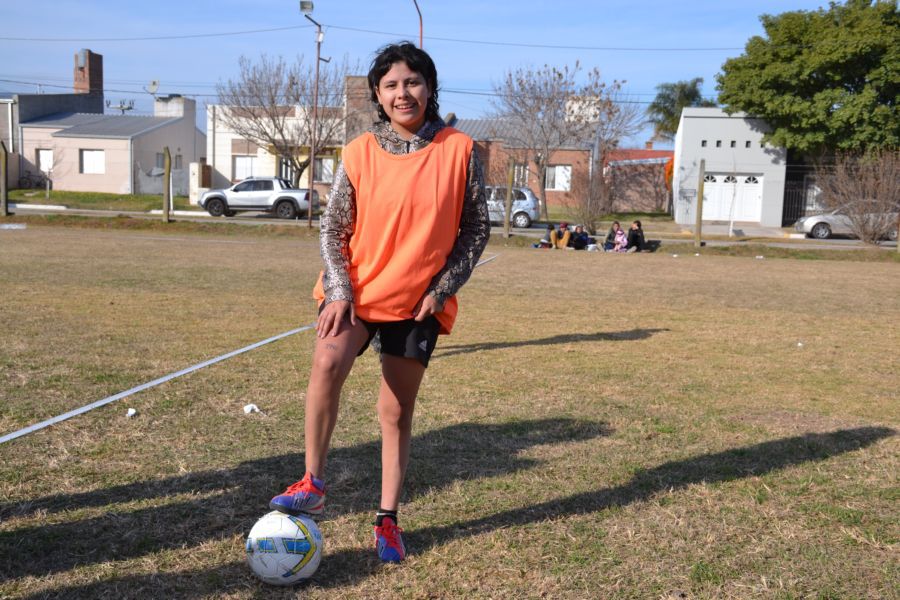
330	346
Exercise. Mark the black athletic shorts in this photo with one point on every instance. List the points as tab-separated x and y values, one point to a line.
406	339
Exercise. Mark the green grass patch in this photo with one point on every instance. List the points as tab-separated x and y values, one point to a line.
98	200
566	444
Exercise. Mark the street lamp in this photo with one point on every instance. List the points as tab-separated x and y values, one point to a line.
306	8
420	22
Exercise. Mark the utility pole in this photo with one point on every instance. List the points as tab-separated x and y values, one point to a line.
507	204
4	173
699	215
307	7
167	180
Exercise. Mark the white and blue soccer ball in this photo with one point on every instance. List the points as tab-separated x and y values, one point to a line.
284	549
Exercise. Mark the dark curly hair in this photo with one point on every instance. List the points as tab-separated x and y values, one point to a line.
417	60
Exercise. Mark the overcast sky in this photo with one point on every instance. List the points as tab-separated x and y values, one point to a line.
473	42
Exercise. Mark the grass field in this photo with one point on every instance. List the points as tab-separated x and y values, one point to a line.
597	426
99	200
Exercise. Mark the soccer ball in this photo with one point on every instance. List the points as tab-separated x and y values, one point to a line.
284	549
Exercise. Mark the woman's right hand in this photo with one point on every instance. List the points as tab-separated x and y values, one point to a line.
331	317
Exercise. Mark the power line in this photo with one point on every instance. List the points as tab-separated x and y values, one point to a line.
376	32
544	46
156	37
211	95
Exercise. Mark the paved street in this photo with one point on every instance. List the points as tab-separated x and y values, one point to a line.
669	233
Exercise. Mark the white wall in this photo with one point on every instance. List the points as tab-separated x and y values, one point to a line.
714	125
115	179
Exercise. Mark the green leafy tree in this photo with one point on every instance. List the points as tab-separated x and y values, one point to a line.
665	110
825	80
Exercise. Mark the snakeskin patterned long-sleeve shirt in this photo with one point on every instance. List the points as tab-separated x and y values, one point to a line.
338	222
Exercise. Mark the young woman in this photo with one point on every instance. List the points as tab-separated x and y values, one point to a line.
636	241
404	227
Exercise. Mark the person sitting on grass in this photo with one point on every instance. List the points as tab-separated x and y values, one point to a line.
610	241
545	241
559	238
580	238
620	242
635	238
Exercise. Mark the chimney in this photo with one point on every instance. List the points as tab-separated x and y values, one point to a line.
173	105
88	72
359	111
648	145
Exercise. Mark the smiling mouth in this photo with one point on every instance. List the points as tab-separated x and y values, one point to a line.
405	106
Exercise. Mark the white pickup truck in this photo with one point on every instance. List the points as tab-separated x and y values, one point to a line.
267	194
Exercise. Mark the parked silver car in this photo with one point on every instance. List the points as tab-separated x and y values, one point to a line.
269	194
823	226
525	205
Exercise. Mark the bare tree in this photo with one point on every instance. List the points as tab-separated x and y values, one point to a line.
615	118
270	103
548	109
864	188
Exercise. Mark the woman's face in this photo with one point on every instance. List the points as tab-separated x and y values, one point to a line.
403	94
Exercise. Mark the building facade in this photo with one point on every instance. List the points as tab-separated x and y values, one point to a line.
119	154
744	178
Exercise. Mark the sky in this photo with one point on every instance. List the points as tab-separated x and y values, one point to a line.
473	42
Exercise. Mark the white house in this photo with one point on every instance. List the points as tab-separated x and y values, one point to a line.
232	158
745	178
119	154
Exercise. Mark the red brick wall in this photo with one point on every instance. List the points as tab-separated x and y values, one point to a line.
495	155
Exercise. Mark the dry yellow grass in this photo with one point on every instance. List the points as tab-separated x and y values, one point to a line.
597	426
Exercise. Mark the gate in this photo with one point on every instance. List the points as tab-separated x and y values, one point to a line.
794	202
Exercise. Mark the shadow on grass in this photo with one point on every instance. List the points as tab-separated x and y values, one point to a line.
218	504
350	567
566	338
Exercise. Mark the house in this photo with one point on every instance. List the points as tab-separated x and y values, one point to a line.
19	108
69	139
639	172
568	169
119	154
232	157
744	177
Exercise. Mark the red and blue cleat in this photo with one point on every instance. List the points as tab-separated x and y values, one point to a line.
307	496
389	541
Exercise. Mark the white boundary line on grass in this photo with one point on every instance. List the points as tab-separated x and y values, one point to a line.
109	399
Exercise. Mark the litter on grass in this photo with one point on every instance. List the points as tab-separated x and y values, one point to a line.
250	408
131	413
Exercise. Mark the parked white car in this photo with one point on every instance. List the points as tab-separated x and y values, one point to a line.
268	194
525	205
823	226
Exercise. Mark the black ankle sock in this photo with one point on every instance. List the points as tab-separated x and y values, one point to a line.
382	513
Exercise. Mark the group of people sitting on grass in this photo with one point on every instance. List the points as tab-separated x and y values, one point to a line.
617	239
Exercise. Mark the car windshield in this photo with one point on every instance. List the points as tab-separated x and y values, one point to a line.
285	184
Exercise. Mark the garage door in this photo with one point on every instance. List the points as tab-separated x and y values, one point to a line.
740	192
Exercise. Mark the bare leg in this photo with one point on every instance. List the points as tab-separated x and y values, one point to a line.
400	379
332	359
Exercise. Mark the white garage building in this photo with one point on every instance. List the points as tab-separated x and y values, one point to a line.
744	179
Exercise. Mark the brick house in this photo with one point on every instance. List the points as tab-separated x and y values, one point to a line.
639	173
567	174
